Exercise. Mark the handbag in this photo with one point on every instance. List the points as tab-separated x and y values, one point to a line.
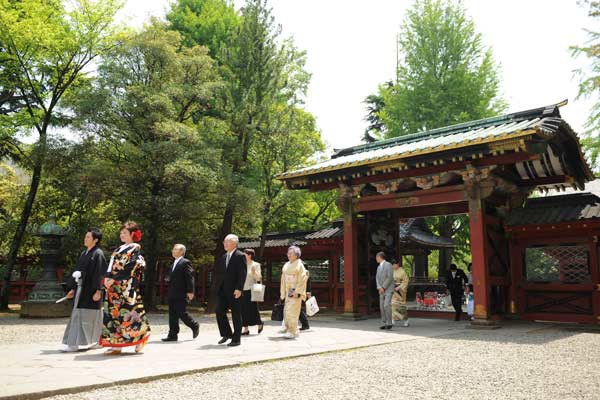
277	313
257	292
311	306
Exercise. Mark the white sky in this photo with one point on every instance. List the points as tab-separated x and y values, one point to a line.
351	50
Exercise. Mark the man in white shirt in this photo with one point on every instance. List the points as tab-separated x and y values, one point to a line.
181	291
229	279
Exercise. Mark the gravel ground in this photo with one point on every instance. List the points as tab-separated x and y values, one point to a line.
544	363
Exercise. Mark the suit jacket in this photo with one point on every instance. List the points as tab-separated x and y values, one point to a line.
385	277
231	277
181	280
92	265
457	284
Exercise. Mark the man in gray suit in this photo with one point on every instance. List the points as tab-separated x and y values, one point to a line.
385	285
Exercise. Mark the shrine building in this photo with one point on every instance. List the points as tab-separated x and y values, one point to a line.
532	257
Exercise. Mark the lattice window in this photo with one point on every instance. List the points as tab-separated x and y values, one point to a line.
341	269
319	270
567	264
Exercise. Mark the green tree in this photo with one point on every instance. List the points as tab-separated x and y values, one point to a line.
210	23
48	48
142	110
589	84
289	139
254	75
445	74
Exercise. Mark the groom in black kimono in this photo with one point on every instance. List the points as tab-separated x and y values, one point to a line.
85	325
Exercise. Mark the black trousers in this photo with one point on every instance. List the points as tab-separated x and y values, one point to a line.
457	304
303	319
250	312
228	302
177	311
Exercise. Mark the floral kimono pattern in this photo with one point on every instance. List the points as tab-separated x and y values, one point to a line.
293	276
125	321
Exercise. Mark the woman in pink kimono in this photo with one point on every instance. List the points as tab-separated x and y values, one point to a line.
292	291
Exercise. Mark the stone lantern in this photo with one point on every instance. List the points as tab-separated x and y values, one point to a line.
41	302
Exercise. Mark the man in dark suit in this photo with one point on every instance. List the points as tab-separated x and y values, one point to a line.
230	276
455	284
181	291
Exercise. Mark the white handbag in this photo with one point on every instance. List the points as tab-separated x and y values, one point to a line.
311	306
257	292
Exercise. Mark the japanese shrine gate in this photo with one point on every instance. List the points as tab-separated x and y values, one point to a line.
484	168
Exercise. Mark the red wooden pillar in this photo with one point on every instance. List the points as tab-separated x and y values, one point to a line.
350	263
516	268
595	272
481	285
333	276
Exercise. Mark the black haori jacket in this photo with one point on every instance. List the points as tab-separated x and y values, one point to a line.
92	265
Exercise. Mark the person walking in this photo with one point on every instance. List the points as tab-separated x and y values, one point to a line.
229	280
385	286
292	291
181	291
455	286
125	320
85	326
401	280
250	311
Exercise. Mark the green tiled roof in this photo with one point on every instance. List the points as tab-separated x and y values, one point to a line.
556	209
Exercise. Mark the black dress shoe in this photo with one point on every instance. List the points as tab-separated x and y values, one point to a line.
232	344
169	339
195	331
388	327
246	333
305	328
223	340
383	327
260	328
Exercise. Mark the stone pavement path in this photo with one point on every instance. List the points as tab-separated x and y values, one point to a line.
431	359
31	363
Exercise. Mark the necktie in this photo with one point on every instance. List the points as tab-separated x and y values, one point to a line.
227	261
174	264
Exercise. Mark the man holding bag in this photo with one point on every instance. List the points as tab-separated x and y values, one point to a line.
250	311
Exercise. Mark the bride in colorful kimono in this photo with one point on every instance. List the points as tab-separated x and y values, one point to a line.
125	321
293	291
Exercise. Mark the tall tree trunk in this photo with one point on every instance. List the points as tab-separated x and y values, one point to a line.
153	248
263	231
151	263
25	214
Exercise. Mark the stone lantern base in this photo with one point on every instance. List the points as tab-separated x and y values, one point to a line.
46	309
42	302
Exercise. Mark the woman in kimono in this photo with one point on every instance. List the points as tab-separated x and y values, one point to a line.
293	291
399	312
250	312
125	321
